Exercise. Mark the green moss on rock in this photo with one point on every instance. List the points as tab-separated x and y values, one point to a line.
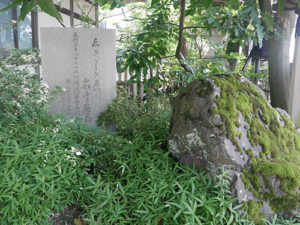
253	209
280	156
207	89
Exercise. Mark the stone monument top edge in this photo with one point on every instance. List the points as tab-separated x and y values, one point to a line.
70	28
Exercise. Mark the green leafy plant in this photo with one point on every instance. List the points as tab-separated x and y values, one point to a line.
28	5
284	221
144	185
132	117
41	171
23	97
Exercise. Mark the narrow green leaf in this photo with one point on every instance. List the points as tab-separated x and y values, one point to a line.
154	2
13	4
177	214
26	8
48	7
280	6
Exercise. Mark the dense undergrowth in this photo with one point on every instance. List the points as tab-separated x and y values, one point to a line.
124	177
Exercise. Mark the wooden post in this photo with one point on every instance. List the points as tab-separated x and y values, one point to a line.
126	74
96	15
134	90
164	87
156	86
35	28
15	28
142	90
72	13
35	36
172	86
151	72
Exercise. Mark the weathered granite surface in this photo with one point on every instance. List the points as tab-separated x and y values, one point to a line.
225	122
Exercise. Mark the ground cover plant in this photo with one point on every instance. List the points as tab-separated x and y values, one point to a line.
40	173
124	177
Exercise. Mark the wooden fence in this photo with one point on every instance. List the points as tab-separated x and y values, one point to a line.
136	89
170	86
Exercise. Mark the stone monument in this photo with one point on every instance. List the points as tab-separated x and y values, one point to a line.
82	62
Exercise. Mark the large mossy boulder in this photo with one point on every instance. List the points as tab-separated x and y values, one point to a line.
226	122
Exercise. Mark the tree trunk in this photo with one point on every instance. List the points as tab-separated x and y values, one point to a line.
232	48
279	60
185	48
179	54
294	104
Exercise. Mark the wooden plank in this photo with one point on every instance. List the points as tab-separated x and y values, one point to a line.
125	83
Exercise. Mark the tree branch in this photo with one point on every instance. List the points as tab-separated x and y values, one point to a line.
191	27
179	54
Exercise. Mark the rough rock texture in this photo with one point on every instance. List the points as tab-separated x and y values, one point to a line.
225	122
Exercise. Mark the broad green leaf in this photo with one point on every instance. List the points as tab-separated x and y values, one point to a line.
210	20
13	4
207	3
176	5
48	7
190	12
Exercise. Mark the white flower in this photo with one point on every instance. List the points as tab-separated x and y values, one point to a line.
73	149
55	130
78	153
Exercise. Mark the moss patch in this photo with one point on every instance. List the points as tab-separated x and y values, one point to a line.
207	88
280	156
253	209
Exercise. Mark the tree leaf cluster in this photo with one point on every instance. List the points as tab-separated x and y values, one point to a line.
146	49
28	5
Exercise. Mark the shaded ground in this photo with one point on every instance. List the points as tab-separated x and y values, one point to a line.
70	216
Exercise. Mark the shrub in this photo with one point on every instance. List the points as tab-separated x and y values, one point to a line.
132	117
22	96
